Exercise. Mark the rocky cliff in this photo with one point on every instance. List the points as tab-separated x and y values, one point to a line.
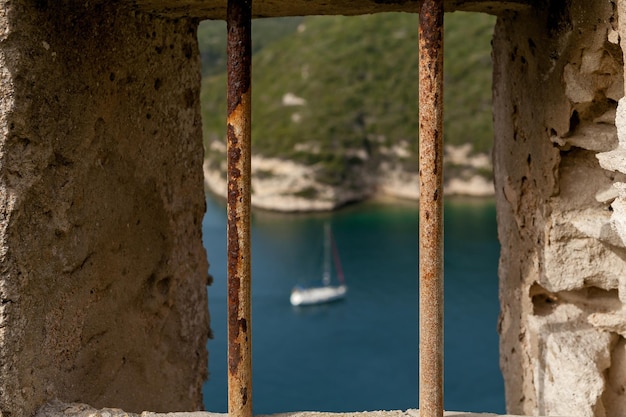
284	185
332	125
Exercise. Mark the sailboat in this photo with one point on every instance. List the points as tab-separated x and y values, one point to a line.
326	292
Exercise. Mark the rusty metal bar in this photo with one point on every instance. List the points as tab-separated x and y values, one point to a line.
238	21
431	207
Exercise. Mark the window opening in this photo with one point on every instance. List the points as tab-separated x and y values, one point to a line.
431	207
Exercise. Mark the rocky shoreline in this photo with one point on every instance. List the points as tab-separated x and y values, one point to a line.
285	186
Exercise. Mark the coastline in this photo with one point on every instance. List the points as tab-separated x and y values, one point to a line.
280	195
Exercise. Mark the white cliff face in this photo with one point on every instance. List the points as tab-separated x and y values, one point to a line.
283	185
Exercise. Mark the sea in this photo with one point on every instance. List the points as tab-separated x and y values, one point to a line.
360	353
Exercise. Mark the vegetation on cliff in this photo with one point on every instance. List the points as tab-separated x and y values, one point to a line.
341	92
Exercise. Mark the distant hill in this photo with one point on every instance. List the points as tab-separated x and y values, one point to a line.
212	39
340	93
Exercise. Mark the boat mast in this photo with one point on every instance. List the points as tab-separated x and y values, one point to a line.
326	276
338	268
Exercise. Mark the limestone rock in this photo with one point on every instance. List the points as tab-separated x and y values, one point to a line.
284	185
557	162
615	160
569	363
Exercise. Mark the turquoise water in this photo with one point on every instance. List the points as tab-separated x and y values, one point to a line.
360	353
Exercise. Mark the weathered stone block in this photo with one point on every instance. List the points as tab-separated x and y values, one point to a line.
103	272
558	77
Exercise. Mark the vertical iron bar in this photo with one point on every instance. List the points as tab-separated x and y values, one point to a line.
431	207
238	20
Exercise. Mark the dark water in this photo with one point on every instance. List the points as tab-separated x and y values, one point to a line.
360	353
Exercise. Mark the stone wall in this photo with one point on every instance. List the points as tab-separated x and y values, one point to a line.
558	76
103	273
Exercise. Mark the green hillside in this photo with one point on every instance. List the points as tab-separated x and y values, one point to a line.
358	78
212	39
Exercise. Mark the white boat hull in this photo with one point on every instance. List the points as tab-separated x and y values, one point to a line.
317	295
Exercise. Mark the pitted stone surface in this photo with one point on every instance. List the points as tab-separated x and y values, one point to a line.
561	212
103	273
